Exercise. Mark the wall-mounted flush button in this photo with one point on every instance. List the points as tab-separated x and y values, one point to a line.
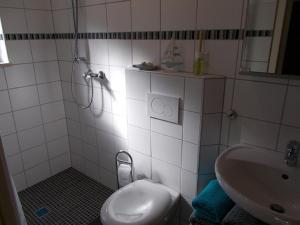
163	107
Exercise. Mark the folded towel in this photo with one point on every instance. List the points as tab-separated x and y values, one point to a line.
238	216
212	204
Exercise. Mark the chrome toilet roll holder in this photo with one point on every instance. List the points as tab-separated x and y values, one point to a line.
120	161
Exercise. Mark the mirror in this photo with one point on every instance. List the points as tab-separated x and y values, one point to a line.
271	37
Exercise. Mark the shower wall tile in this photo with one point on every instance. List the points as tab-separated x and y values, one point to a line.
20	75
13	20
145	15
50	92
60	163
20	181
19	52
46	72
120	53
5	103
15	164
23	97
146	51
10	144
178	15
38	4
92	19
58	147
55	130
43	50
3	84
53	111
122	22
38	173
39	21
7	124
31	138
229	14
12	3
34	156
28	118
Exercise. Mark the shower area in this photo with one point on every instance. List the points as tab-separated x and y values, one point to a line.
57	98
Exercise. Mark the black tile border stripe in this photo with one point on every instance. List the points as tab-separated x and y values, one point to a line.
233	34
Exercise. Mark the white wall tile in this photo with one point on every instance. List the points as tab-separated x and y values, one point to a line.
62	20
3	84
213	95
119	104
58	147
90	153
37	4
211	129
43	50
53	111
73	128
213	14
259	100
167	85
13	20
28	118
7	125
107	161
5	103
39	21
139	140
166	128
166	174
10	144
86	117
102	101
137	114
121	143
108	179
34	156
19	51
191	127
190	157
188	184
248	131
145	15
291	111
55	130
60	163
78	162
31	138
15	164
104	122
46	72
64	50
106	141
119	53
287	134
146	51
50	92
93	19
93	171
142	165
117	80
61	4
97	52
120	126
20	75
20	181
137	84
122	22
207	158
23	97
38	173
76	145
89	135
12	3
219	62
178	15
193	94
166	148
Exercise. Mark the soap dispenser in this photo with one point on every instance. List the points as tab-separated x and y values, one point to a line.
172	59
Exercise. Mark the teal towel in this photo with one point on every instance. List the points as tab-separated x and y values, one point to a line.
212	204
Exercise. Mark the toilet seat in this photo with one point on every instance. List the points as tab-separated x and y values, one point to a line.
139	203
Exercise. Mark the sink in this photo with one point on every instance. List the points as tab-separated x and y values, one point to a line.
261	183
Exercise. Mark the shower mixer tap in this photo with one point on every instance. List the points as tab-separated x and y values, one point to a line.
91	74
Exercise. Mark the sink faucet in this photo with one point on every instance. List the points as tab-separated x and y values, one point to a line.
291	154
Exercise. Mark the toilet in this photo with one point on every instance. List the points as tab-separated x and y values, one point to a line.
142	202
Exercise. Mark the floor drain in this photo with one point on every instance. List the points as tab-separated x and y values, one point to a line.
285	176
277	208
41	212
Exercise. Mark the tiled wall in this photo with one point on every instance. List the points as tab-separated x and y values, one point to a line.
267	107
32	117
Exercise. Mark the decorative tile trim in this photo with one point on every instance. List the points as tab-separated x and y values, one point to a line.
234	34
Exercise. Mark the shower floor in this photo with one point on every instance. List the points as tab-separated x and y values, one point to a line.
67	198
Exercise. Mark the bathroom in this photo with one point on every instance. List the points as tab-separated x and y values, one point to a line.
67	109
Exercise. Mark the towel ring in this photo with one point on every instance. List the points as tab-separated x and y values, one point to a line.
121	161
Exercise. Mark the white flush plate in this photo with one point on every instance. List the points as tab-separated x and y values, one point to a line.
163	107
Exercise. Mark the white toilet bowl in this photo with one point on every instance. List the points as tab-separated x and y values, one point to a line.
142	202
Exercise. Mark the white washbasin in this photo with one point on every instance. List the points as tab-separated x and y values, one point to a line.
261	183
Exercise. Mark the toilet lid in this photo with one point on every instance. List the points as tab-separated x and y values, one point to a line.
139	203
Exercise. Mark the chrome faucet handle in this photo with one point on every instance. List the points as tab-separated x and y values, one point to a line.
292	152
